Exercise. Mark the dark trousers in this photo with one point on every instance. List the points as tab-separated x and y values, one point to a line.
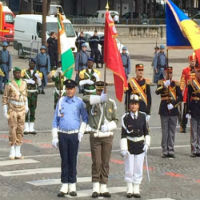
101	150
95	54
183	117
68	147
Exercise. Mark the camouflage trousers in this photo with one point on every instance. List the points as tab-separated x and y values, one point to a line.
32	105
16	126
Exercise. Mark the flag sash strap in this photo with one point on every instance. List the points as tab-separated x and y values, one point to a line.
172	93
134	84
196	84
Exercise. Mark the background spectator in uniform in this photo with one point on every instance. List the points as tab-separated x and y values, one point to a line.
126	61
80	40
154	62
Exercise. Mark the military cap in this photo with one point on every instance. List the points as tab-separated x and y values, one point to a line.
192	57
84	45
91	59
100	85
139	66
43	47
169	69
70	83
124	48
32	60
4	44
16	69
162	46
134	98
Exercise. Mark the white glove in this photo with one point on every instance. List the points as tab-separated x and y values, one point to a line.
37	75
55	142
26	106
5	111
124	153
59	70
167	83
103	97
145	148
96	76
148	117
104	128
30	81
80	135
90	82
188	116
170	106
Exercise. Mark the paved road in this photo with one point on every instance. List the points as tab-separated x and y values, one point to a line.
38	175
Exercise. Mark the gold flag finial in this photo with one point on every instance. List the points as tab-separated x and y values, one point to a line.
107	6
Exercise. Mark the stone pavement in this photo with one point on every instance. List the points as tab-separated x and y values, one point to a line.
38	175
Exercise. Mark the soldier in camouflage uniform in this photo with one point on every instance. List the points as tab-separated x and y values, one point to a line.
88	77
15	106
33	80
102	121
58	78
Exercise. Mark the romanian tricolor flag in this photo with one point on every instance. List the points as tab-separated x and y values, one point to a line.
67	57
112	57
182	32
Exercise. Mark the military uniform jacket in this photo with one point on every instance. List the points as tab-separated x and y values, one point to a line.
172	95
81	60
79	41
193	100
94	111
145	99
135	131
14	95
93	42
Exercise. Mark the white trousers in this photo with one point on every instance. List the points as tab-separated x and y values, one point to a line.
134	168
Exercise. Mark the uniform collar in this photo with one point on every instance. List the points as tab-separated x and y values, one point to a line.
70	99
134	115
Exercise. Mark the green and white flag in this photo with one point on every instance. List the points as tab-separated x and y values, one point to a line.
67	56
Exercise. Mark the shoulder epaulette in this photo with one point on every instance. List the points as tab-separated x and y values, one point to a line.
177	83
147	81
190	82
160	82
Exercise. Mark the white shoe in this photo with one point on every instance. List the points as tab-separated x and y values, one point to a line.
31	128
26	128
18	154
12	153
64	188
136	190
96	187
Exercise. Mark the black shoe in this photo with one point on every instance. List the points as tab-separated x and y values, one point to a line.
42	92
129	195
182	129
33	133
198	154
137	195
61	194
106	194
193	155
73	194
165	156
171	155
26	133
95	195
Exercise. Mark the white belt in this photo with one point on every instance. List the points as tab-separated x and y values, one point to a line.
17	103
32	91
135	139
69	132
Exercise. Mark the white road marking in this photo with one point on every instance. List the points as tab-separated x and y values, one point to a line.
57	181
17	162
162	199
30	171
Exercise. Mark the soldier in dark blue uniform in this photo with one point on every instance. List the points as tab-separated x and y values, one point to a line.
95	53
43	65
101	42
171	97
5	66
126	61
80	40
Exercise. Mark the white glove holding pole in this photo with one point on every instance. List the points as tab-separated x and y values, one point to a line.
5	111
104	97
147	143
188	116
167	83
81	131
170	106
30	81
55	137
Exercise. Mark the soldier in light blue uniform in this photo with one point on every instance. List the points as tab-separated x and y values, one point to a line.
5	66
126	61
43	65
81	62
69	124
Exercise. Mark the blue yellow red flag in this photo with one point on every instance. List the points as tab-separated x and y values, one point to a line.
182	32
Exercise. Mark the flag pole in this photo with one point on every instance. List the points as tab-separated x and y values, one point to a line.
105	89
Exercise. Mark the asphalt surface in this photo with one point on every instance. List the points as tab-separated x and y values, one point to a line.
37	176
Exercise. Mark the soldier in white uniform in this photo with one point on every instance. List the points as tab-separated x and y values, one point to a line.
135	141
